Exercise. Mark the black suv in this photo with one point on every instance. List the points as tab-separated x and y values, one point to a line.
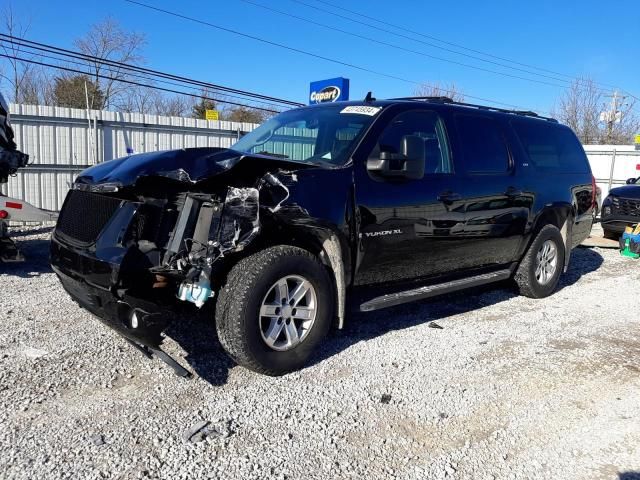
369	204
621	208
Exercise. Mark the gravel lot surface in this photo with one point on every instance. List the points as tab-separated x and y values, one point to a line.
508	387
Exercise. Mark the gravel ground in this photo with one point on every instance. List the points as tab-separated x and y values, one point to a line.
508	387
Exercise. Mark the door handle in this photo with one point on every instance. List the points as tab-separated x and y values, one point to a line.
513	192
449	197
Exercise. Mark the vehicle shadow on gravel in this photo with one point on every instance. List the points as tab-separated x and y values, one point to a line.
196	335
583	261
365	326
35	251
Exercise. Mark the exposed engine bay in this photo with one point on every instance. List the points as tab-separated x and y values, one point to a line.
171	237
130	251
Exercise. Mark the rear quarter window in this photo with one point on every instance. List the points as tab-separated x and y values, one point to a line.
551	147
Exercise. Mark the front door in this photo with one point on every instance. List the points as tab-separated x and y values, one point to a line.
410	228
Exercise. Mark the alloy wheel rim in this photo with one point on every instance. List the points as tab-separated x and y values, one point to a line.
546	262
287	312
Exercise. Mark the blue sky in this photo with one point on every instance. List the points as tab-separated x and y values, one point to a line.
568	37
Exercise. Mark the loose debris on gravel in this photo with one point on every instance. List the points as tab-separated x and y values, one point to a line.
509	388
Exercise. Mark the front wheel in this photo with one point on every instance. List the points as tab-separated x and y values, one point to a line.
539	272
275	309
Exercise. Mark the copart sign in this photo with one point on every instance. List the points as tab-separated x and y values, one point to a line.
330	90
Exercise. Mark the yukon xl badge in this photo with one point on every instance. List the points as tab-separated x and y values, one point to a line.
327	94
383	233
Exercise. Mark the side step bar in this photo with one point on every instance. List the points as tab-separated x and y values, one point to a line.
429	291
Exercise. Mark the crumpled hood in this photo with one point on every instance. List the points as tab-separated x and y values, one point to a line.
627	191
189	165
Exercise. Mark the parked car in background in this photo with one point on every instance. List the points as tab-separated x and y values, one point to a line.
372	203
621	208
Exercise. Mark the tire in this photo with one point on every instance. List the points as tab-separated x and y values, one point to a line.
251	286
531	282
610	234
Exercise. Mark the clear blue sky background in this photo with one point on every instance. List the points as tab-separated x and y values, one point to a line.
571	37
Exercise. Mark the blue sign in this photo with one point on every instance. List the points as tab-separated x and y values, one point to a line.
331	90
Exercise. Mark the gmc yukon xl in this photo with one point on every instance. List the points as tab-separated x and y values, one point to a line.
364	204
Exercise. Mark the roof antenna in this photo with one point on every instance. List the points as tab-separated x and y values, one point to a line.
369	98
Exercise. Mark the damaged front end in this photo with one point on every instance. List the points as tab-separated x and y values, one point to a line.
135	249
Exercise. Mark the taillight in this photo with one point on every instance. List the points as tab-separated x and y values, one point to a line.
593	191
4	214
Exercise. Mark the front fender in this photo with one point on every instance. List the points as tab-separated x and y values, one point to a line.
318	215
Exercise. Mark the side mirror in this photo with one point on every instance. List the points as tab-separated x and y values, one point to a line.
409	163
631	181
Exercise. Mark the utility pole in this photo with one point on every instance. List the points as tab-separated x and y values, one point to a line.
613	116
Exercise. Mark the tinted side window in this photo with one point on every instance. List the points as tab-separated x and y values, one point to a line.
482	143
551	147
426	125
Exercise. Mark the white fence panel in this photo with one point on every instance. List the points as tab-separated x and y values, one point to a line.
61	144
624	159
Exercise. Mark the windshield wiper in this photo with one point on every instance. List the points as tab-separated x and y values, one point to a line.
277	155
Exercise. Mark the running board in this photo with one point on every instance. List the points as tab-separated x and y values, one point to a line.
429	291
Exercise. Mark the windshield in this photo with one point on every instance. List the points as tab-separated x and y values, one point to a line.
318	135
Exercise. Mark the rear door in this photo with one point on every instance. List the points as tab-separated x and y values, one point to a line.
496	204
562	172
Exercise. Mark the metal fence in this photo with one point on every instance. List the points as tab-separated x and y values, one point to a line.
64	141
61	142
612	165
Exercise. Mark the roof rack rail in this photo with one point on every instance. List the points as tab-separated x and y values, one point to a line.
527	113
441	99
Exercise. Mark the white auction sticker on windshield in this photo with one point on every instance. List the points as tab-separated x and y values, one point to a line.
361	109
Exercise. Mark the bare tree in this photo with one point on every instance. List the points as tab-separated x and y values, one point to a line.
26	81
624	124
137	100
581	108
151	101
106	40
33	88
437	89
176	106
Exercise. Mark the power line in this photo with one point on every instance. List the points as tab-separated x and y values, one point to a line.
398	47
38	52
304	52
114	63
130	82
404	29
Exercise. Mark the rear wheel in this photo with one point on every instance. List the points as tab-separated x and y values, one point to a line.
610	234
275	309
539	272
